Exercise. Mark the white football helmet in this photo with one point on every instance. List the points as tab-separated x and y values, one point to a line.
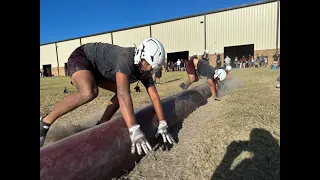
195	54
152	51
221	74
228	68
206	51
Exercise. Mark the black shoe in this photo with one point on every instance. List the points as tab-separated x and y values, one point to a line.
44	127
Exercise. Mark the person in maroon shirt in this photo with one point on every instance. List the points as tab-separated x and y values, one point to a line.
244	61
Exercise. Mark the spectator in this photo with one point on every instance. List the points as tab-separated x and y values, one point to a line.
265	59
261	60
255	62
227	61
218	60
244	61
205	55
173	65
275	56
236	62
178	65
249	61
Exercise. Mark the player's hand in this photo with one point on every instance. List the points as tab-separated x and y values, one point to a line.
163	130
138	140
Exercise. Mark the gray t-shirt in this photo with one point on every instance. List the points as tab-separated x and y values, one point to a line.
108	59
205	69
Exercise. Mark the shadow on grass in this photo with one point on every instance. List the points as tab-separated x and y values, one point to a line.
265	163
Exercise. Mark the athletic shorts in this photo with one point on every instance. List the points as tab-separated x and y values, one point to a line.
79	61
190	67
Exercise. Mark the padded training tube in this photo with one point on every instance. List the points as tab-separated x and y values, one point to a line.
103	152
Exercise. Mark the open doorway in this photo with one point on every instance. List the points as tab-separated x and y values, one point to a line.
66	69
238	51
173	57
47	70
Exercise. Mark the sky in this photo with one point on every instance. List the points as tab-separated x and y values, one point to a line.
64	19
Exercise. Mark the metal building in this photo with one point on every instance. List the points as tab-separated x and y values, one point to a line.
249	29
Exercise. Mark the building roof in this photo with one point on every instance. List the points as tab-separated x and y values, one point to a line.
179	18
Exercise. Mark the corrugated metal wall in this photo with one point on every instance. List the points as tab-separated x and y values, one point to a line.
48	55
105	38
128	38
65	49
181	35
251	25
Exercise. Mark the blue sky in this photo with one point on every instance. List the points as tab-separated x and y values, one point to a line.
64	19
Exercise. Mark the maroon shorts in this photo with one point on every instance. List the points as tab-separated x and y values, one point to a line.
190	67
79	61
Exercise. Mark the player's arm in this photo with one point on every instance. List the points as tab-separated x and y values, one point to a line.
213	87
155	98
213	83
125	100
137	137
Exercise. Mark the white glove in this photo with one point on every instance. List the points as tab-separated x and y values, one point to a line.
138	139
163	130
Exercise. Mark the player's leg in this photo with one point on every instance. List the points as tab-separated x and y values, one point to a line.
192	77
84	81
113	104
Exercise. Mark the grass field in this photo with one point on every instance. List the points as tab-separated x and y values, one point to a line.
235	138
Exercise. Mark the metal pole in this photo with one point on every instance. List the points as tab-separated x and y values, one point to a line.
277	36
205	41
57	58
150	31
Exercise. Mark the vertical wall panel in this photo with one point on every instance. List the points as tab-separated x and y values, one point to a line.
128	38
65	49
48	55
181	35
251	25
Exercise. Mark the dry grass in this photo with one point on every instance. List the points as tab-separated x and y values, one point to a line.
236	138
51	92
